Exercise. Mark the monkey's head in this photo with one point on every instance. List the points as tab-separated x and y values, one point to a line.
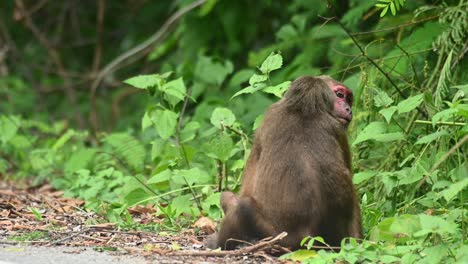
343	102
311	95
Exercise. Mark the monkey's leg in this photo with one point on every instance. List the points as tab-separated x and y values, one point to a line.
355	226
243	222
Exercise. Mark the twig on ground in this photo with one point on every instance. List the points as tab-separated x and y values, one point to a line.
246	250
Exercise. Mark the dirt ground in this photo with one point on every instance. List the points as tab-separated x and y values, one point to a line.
40	225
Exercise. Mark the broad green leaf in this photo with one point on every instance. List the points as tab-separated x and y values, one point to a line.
212	207
146	121
189	131
410	103
145	81
8	127
431	137
435	254
299	255
435	224
174	91
136	195
191	176
182	204
162	176
165	122
220	147
404	226
278	90
79	159
212	71
363	176
250	89
408	176
286	32
370	131
387	113
454	189
271	63
381	99
222	117
257	78
258	121
240	77
444	115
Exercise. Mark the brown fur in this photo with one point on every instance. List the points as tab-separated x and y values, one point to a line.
298	175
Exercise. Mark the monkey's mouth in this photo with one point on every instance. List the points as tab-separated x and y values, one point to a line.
344	121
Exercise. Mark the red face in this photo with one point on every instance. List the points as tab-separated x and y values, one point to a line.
343	103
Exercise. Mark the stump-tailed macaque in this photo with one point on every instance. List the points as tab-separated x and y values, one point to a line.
298	176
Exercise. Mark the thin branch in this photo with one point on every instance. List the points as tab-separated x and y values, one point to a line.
440	123
442	160
397	27
245	250
99	30
136	53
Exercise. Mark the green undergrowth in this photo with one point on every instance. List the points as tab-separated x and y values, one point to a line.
408	137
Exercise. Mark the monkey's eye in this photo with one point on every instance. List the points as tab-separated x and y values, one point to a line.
339	94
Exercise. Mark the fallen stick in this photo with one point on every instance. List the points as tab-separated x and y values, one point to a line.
245	250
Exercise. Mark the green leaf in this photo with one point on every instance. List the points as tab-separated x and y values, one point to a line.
410	103
454	189
79	159
392	8
174	91
8	127
299	255
389	137
370	131
63	139
257	78
191	176
381	98
220	147
207	7
182	204
387	113
286	32
384	11
145	81
273	62
250	89
444	115
128	149
431	137
278	90
189	131
435	224
363	176
163	176
211	71
258	121
222	117
165	122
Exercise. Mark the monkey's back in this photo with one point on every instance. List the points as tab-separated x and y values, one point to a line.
299	164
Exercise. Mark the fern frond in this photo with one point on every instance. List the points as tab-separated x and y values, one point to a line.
128	149
445	77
